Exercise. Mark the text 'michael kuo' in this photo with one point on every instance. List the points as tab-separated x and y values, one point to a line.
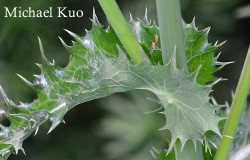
62	12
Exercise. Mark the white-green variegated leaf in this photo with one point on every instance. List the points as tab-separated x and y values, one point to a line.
100	67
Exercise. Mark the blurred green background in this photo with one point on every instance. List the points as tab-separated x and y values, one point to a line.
113	128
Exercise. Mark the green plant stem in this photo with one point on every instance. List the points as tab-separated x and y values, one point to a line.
171	31
121	28
172	37
235	112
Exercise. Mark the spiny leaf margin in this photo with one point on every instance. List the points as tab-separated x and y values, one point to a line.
93	73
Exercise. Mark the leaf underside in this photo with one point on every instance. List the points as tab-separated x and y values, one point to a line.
99	67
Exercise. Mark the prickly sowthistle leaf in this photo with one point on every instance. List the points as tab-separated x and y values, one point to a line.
99	67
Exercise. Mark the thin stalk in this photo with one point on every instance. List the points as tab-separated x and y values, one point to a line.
171	31
172	37
235	112
121	28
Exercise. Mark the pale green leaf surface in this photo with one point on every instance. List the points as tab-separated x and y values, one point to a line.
98	68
